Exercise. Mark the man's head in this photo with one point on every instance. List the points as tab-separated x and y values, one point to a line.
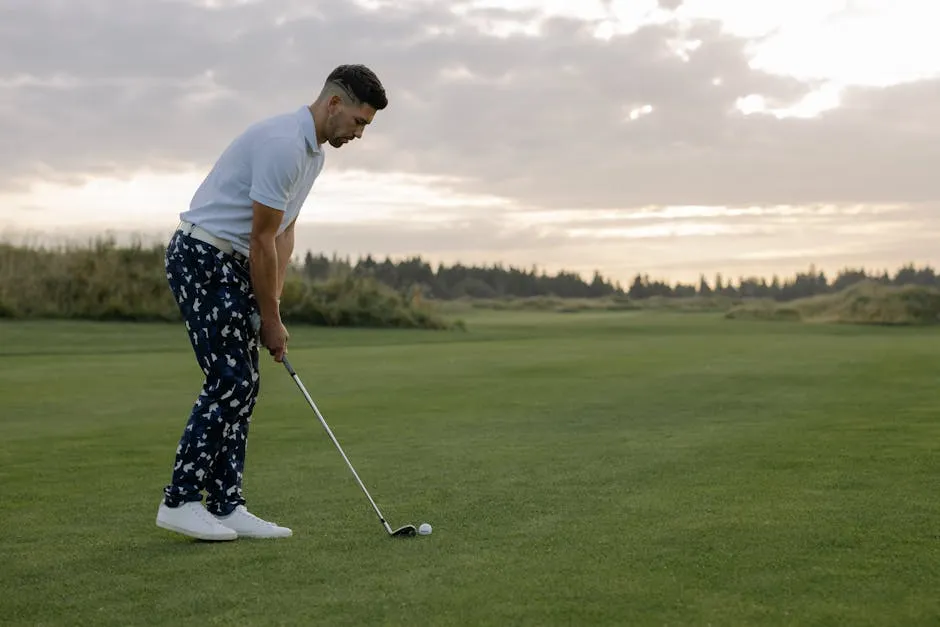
350	97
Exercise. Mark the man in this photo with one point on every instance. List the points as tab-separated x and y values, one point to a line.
226	266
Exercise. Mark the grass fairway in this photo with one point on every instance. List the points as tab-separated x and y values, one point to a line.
589	469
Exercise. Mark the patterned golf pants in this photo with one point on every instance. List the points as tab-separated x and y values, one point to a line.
213	291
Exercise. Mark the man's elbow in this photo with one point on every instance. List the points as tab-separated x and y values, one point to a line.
289	231
263	241
285	240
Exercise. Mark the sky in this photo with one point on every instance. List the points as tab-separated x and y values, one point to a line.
664	137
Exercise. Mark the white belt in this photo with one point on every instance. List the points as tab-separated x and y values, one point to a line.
197	232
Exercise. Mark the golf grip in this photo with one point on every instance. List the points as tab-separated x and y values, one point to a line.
329	432
287	365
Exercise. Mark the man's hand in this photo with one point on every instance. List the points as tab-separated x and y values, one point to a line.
264	277
274	337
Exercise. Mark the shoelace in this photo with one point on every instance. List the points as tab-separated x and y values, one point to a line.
207	516
248	514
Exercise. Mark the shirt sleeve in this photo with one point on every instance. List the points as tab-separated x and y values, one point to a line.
275	168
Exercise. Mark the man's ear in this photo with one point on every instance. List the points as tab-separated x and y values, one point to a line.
335	103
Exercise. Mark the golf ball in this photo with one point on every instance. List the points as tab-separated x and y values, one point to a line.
424	529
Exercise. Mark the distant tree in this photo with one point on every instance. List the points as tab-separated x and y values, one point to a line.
703	287
316	268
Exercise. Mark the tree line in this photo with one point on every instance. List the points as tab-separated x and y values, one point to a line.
460	281
801	285
447	282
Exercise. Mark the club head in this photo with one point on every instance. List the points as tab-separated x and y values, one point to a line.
408	531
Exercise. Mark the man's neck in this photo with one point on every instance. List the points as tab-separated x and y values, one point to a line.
319	121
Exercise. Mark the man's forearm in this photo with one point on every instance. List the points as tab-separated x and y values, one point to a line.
284	245
264	276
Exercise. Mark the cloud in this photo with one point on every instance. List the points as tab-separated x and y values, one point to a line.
541	120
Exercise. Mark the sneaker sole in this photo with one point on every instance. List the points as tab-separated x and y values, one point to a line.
198	536
261	536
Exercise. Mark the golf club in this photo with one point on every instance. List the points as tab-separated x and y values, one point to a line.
407	530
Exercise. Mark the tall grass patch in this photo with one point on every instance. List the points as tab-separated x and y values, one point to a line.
106	282
863	303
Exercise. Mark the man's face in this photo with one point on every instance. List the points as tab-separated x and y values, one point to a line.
347	122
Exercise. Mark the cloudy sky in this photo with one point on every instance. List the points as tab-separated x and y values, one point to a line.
668	137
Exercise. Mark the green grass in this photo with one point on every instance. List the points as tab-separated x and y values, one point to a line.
592	468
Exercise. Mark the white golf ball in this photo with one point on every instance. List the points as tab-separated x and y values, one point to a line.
424	529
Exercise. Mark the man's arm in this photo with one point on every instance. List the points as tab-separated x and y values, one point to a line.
284	245
264	260
276	166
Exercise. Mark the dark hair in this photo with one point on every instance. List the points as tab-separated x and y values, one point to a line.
362	83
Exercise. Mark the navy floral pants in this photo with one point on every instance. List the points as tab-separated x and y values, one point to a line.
213	291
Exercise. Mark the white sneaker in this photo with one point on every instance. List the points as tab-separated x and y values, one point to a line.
247	525
192	519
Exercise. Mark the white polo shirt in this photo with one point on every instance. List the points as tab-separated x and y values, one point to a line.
274	162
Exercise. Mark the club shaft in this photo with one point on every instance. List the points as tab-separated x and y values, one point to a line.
329	432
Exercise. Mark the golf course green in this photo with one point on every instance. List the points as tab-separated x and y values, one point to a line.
594	468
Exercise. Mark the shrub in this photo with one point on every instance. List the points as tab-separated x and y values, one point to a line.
103	281
866	302
356	301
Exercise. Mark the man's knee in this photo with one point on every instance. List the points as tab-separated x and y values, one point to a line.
234	384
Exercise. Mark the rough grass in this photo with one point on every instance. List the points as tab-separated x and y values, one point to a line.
863	303
105	282
619	468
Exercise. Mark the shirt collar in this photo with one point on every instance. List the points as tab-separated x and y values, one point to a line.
310	132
